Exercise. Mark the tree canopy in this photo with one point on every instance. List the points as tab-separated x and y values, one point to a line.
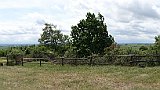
52	36
90	35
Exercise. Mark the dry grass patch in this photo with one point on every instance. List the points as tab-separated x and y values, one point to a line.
56	77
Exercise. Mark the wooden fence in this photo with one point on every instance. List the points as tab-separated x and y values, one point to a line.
127	60
61	60
31	59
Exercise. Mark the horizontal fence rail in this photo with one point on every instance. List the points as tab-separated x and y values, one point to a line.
126	60
32	59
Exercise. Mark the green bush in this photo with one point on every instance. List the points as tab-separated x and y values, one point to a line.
70	53
143	48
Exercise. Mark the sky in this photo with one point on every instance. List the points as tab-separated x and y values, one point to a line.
128	21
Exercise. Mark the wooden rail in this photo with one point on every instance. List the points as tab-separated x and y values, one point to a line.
33	58
40	60
91	60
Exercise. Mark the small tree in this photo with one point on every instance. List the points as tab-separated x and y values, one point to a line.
15	55
90	35
53	38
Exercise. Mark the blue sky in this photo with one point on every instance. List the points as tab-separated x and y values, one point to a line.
128	21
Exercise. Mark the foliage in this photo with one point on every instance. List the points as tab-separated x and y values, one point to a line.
54	40
15	52
90	35
33	51
143	48
15	55
157	42
121	51
3	52
70	53
36	51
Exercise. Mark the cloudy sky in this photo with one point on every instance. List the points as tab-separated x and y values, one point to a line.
128	21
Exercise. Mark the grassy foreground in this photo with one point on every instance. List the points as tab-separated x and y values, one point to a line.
56	77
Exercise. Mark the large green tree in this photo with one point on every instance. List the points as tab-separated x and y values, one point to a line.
53	38
90	35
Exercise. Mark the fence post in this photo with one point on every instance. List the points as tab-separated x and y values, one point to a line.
76	61
131	62
157	57
90	63
156	52
7	60
40	62
22	61
62	61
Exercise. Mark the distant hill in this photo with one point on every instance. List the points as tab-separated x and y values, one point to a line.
135	43
16	44
5	46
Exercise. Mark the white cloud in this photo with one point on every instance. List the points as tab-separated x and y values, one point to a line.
127	20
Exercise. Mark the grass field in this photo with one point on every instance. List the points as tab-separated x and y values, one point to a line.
56	77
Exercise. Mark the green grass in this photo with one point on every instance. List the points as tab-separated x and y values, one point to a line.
67	77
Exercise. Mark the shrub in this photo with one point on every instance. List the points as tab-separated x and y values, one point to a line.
143	48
